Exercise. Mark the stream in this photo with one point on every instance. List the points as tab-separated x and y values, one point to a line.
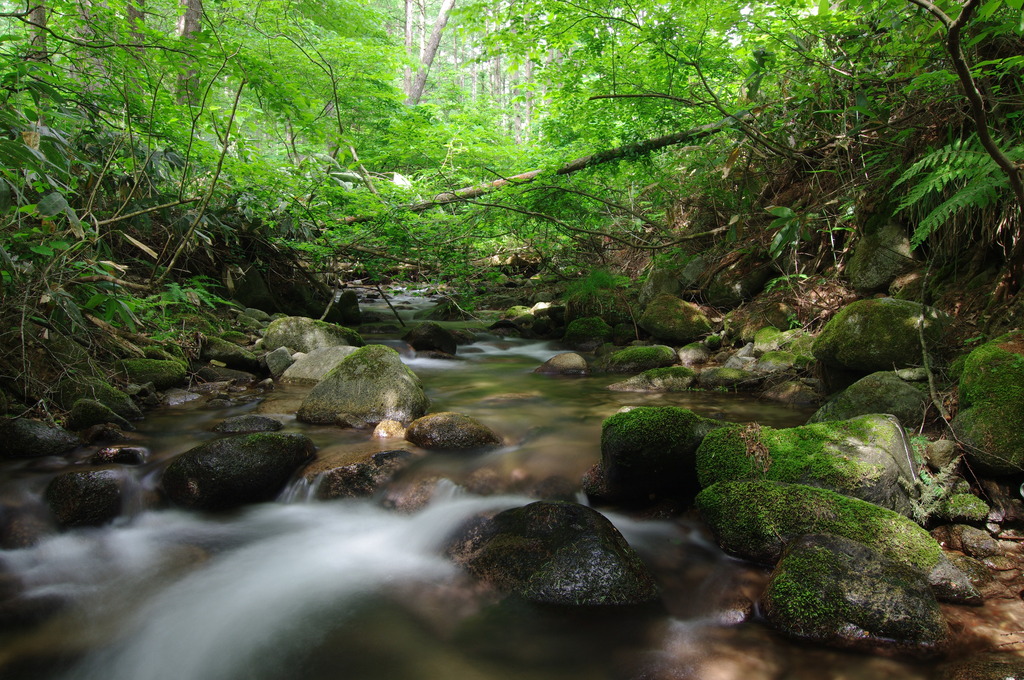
349	590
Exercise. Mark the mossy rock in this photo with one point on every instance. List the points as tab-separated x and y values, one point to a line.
835	591
674	321
880	334
161	372
229	354
963	507
370	385
167	353
88	412
236	337
757	519
587	334
303	334
71	390
878	258
992	405
767	339
649	451
633	359
865	458
669	379
556	553
725	378
880	392
776	361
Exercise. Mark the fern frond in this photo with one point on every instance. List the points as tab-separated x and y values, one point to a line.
981	192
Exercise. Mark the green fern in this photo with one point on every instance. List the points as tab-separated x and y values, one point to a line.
960	176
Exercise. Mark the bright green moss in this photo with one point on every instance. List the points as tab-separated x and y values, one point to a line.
641	358
755	519
964	507
994	372
589	331
798	607
161	373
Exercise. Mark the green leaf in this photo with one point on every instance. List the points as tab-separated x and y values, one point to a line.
52	204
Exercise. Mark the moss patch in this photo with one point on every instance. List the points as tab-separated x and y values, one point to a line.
161	372
587	333
641	358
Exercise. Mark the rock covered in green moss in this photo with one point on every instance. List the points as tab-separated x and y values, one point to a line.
648	451
633	359
767	339
311	367
776	361
587	333
229	354
727	378
963	507
370	385
71	390
756	519
835	591
88	412
992	405
556	553
451	431
669	379
880	392
879	257
235	470
865	458
303	334
674	321
161	372
879	334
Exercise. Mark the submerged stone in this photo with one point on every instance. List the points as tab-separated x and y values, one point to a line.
450	431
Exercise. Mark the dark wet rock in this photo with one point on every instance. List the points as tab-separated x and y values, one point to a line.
587	334
940	453
880	392
25	438
723	378
865	458
257	314
832	590
304	335
449	431
221	374
120	455
278	361
249	422
71	390
359	479
162	373
431	336
984	667
670	379
411	495
235	470
756	519
792	392
23	524
86	497
992	406
968	540
555	553
311	367
346	310
737	282
646	452
879	335
369	386
744	322
88	412
674	321
229	354
103	433
567	363
878	258
634	359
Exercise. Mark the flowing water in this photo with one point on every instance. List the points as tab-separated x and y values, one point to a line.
348	590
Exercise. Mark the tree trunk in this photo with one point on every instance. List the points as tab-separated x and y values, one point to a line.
136	15
410	29
37	17
429	52
188	25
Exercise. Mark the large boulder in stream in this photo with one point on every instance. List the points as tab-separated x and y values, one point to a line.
72	389
348	474
566	363
648	451
881	392
756	519
674	321
26	438
303	334
431	336
634	359
880	335
555	553
831	590
451	431
369	386
235	470
992	406
86	497
866	457
311	367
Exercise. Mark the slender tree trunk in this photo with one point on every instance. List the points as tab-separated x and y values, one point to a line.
188	25
136	15
37	17
429	52
410	30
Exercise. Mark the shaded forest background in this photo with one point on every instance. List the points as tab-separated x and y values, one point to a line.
156	156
